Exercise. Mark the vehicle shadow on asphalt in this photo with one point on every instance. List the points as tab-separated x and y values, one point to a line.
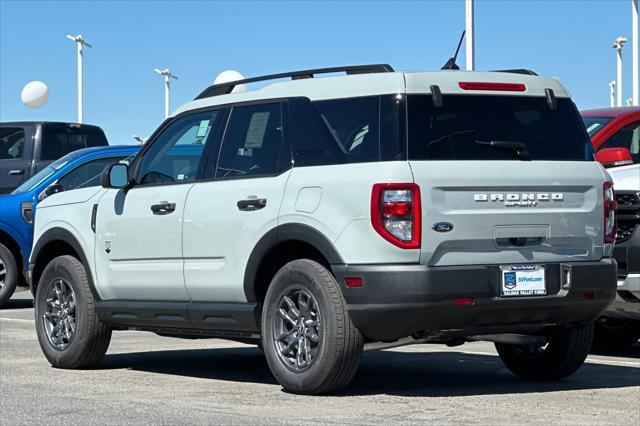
431	374
15	303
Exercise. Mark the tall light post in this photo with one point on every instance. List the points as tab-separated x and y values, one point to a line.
80	43
470	61
612	93
618	44
634	50
167	78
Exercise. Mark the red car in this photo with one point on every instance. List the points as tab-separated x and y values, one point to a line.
615	134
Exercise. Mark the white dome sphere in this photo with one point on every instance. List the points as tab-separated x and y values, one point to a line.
229	76
34	94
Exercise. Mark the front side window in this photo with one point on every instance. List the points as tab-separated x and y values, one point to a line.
11	143
174	156
627	137
61	139
87	174
481	127
253	142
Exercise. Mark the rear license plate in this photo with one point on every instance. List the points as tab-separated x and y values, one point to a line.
523	280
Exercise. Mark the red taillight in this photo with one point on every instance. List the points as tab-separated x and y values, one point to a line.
610	226
495	87
395	213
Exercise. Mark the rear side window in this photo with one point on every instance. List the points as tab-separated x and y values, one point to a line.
61	139
485	127
253	142
352	130
11	143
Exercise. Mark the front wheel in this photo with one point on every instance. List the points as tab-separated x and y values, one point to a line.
310	343
564	352
8	274
69	331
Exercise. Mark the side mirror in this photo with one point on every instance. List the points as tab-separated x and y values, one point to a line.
611	157
54	188
115	176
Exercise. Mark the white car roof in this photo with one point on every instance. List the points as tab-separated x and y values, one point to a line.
350	86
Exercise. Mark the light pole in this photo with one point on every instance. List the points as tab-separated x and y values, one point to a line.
612	93
634	50
79	40
618	44
167	77
470	62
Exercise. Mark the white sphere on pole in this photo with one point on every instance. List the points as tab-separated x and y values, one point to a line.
34	94
229	76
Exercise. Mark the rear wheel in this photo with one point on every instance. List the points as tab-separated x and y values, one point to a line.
8	274
613	333
562	355
69	332
310	343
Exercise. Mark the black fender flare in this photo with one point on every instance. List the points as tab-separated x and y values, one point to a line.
60	234
280	234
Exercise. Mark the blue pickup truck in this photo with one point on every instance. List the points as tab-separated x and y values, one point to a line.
78	169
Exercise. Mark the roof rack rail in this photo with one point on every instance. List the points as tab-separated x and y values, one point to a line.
518	71
226	88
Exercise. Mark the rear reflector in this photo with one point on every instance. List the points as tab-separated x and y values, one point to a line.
495	87
353	282
463	301
586	295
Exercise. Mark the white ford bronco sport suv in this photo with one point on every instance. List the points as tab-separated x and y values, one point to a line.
320	216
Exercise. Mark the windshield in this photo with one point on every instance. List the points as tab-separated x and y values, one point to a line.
39	177
483	127
595	124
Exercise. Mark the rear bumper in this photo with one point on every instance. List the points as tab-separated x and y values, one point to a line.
627	302
399	300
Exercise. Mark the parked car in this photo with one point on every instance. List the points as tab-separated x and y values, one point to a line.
322	216
79	169
28	147
615	134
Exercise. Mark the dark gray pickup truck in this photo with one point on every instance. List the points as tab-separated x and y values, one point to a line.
27	147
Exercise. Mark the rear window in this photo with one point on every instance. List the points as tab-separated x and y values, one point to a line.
491	127
61	139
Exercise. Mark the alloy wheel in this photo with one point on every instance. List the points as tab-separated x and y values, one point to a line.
59	317
3	274
297	330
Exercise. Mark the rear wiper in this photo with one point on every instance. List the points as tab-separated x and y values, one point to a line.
519	149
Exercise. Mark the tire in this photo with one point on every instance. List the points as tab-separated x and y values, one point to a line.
333	354
612	333
85	347
8	274
565	352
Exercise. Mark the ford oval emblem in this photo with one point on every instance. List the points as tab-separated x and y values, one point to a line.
442	227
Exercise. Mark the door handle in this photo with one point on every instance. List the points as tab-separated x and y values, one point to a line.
16	172
252	204
163	208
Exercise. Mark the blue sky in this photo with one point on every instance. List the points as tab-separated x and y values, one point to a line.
571	40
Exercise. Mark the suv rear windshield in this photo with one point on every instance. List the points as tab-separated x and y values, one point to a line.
61	139
491	127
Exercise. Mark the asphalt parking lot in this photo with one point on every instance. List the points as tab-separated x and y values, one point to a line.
149	379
